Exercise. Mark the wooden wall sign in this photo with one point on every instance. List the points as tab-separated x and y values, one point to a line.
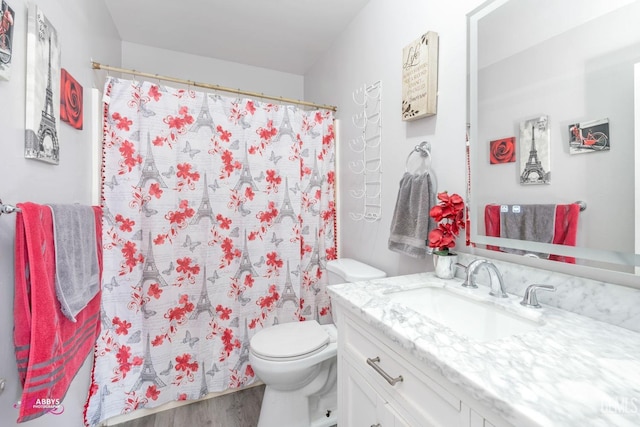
420	77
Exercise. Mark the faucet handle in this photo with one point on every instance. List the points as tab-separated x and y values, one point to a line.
466	283
530	298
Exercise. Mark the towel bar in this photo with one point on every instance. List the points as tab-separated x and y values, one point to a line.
583	205
424	149
7	209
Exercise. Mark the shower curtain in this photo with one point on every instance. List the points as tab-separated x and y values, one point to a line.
218	222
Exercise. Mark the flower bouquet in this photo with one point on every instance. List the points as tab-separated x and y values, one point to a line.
449	214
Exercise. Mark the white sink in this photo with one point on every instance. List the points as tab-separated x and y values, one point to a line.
476	320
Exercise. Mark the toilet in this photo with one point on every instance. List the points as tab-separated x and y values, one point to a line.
297	362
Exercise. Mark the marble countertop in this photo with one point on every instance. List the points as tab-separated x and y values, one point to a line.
570	371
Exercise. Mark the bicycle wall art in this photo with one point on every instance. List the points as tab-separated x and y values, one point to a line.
7	17
589	137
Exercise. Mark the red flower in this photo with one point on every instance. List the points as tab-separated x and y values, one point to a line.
152	392
123	326
449	213
154	291
223	221
123	122
183	363
502	151
125	223
155	190
154	93
224	135
223	312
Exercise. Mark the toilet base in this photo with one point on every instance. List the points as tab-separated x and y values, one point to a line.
294	409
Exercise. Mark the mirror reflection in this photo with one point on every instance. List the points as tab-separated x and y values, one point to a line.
551	112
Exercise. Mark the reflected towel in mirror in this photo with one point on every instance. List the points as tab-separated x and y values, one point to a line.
564	231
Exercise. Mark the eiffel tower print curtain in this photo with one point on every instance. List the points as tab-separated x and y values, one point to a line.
218	221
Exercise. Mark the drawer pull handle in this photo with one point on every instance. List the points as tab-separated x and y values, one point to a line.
373	363
376	425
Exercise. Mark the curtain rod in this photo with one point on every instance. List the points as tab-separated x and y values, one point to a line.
98	66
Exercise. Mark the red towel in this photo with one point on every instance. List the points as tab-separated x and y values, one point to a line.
50	349
566	230
492	223
565	233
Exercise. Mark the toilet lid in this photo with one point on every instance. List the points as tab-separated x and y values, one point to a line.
354	271
289	340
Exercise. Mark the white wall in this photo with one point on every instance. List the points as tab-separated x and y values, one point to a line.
371	50
86	31
212	71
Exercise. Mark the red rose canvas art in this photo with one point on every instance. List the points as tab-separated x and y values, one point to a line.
502	150
71	100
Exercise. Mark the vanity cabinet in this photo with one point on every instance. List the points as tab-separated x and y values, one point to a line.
380	385
366	407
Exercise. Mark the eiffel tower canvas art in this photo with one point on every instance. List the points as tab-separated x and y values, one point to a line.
535	151
43	89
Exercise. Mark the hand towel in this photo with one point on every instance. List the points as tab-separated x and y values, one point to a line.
74	233
49	347
411	222
566	229
533	223
492	223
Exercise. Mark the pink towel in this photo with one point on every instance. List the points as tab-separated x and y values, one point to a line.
566	229
492	223
50	349
565	232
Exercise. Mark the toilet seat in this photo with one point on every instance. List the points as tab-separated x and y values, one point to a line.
290	341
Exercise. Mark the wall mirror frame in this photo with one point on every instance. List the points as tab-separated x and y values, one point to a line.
571	61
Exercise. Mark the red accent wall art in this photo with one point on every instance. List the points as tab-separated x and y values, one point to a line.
71	101
502	150
6	39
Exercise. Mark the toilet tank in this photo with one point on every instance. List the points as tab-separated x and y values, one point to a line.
349	270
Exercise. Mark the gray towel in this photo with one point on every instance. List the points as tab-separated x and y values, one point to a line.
411	222
533	223
77	271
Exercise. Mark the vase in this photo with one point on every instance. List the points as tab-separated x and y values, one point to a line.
445	265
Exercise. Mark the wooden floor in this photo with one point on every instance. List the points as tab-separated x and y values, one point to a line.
239	409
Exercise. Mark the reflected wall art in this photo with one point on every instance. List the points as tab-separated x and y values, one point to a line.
502	150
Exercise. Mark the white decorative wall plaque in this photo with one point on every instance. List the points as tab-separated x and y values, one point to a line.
420	77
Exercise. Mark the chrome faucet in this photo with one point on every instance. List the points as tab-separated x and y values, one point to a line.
476	265
530	298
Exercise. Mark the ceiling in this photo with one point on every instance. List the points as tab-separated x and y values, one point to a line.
282	35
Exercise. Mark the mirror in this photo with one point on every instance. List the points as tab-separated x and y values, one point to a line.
545	76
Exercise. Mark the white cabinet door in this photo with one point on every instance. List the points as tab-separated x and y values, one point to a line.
359	408
476	420
390	418
364	407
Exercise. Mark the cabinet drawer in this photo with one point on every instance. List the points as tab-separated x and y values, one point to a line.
419	394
